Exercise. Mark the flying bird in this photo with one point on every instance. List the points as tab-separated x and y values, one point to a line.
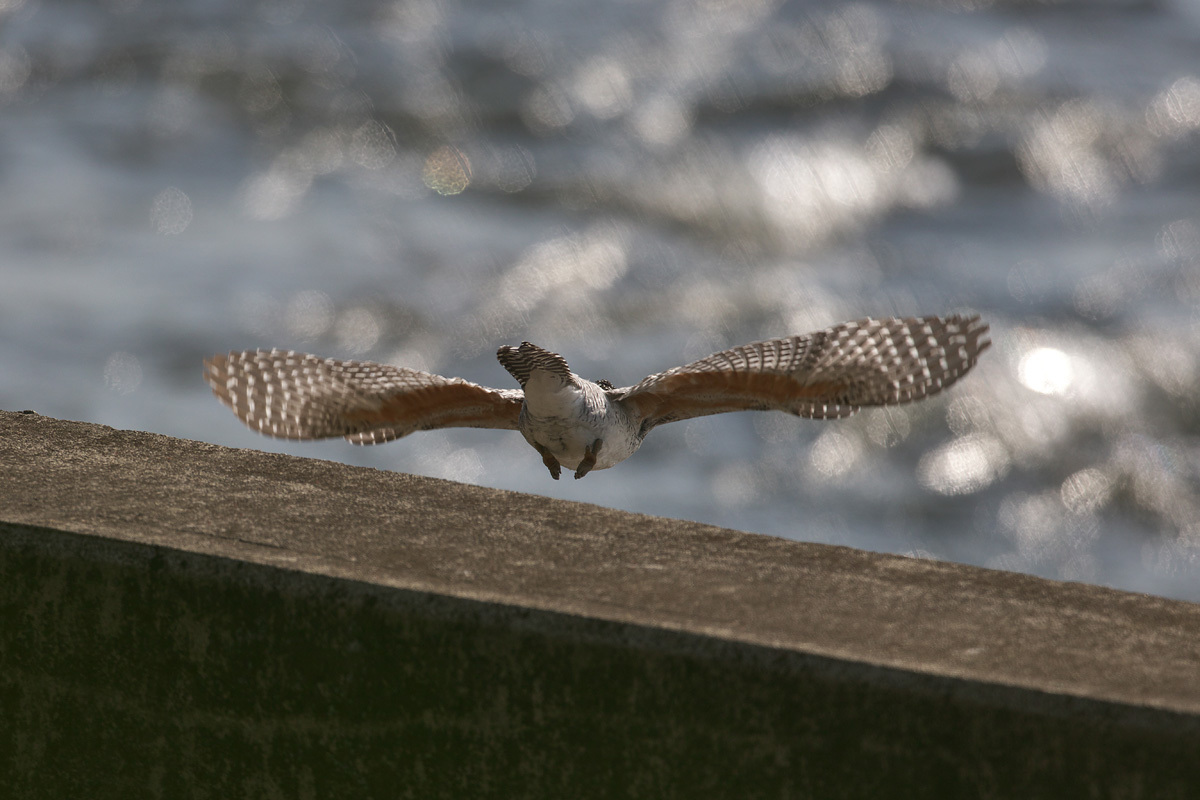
588	425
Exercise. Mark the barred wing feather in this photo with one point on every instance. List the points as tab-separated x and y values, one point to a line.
293	395
822	375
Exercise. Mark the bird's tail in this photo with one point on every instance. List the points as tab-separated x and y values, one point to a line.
522	361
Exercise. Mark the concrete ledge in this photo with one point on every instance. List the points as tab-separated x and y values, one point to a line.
180	619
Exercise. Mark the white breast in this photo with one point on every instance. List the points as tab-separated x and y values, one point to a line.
566	419
548	395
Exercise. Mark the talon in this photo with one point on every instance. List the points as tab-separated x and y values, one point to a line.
550	461
589	459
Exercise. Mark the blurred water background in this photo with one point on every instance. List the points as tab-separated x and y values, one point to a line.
637	184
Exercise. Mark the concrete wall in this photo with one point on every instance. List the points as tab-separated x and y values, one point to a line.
184	620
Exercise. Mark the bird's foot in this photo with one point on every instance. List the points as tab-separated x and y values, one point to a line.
550	461
589	459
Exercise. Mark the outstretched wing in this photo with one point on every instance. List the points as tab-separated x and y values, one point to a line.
823	375
297	396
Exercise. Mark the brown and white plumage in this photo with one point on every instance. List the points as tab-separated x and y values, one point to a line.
293	395
586	425
824	375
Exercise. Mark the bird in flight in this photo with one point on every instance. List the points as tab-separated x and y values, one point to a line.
588	425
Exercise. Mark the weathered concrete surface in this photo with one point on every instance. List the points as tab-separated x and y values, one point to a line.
184	620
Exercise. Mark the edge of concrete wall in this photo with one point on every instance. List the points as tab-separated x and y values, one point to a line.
183	619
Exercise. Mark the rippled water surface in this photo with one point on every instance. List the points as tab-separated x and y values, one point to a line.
636	185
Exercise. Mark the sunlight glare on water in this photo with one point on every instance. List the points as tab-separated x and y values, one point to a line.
123	372
602	87
813	188
661	120
1086	491
358	330
373	145
887	427
637	185
447	171
171	212
834	454
964	465
1176	110
274	194
308	315
1046	370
